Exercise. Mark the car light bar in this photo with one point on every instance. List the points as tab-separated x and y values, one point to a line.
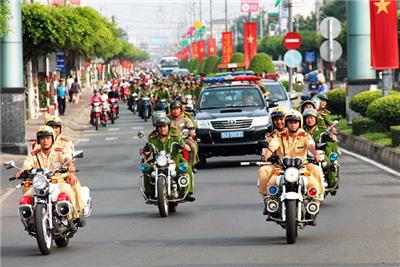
231	78
272	76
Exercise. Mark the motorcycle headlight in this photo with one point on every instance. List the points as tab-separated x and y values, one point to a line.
260	121
183	166
162	161
292	174
333	156
203	124
39	181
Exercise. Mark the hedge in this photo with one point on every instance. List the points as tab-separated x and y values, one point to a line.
395	133
365	125
385	110
210	64
297	87
202	65
359	103
193	65
337	101
237	58
262	62
184	63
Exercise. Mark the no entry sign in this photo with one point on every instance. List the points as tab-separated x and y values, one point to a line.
292	40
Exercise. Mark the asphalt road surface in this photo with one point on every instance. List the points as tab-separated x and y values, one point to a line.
360	226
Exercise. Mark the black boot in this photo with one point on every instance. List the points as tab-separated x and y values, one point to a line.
190	198
80	222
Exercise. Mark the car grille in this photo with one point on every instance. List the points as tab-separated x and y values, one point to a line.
231	124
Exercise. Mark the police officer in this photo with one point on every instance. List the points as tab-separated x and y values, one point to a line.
162	138
180	122
51	157
294	142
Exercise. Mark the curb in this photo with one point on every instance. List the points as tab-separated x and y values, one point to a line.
387	156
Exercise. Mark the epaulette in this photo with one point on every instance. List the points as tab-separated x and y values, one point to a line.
153	134
65	139
59	149
283	134
35	152
302	134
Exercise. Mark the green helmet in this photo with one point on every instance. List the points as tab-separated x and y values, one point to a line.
162	121
310	112
175	104
322	97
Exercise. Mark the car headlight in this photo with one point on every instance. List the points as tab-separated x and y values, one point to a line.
292	174
260	121
162	161
203	124
39	181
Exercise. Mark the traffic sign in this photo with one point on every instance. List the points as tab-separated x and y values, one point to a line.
60	62
310	57
292	58
324	50
336	27
292	40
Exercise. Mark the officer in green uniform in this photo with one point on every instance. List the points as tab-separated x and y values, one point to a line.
313	104
310	117
323	111
162	138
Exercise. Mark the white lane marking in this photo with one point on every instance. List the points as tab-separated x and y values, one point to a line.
89	131
112	129
135	137
83	140
111	138
6	194
138	128
376	164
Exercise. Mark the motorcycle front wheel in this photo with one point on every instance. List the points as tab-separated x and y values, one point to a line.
112	115
146	114
44	236
291	223
163	206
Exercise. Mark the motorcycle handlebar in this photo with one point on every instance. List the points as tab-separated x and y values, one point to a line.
12	178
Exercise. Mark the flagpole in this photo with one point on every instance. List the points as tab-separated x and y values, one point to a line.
211	19
226	15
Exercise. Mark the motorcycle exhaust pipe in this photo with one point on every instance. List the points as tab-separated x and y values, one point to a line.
183	181
312	208
272	206
25	211
63	208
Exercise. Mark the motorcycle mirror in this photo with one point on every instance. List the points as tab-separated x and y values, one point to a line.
140	134
185	133
263	143
78	154
9	164
334	123
320	146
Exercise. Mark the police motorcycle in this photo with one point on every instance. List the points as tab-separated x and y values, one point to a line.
334	165
163	105
146	108
47	218
170	188
190	103
132	102
289	203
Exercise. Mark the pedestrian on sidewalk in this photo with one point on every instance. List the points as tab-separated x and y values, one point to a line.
61	96
76	91
70	81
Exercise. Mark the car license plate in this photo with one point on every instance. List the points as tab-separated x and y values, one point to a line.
237	134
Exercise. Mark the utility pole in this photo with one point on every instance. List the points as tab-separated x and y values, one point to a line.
211	19
289	5
226	15
200	9
261	23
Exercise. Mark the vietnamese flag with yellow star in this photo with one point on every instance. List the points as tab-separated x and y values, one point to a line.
212	47
202	49
384	35
250	41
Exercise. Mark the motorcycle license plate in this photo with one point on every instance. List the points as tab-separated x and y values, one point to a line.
237	134
97	109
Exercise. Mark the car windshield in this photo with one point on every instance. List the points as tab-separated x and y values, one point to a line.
277	92
166	63
231	98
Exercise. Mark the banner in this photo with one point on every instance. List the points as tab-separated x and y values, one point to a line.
195	50
212	47
249	41
384	39
227	47
202	49
186	52
249	6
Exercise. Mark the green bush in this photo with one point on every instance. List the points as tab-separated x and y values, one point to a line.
42	94
237	58
193	65
365	125
337	101
262	62
359	103
385	110
395	133
184	63
202	65
210	64
297	87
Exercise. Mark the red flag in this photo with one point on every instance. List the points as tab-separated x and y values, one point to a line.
250	41
202	49
195	50
186	52
227	47
212	47
384	39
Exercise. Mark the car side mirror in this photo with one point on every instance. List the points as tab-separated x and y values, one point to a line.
140	134
263	143
78	155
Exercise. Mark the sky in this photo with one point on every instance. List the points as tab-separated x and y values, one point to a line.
145	20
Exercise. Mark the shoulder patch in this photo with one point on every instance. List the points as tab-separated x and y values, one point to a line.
303	134
59	149
35	152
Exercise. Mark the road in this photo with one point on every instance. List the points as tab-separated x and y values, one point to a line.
223	227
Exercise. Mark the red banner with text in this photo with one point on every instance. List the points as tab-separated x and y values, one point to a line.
195	50
212	47
227	47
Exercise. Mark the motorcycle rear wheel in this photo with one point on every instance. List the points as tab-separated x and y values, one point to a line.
44	236
163	205
112	117
96	122
291	222
61	242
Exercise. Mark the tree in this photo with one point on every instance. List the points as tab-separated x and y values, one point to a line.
184	64
335	8
4	15
210	65
202	65
261	62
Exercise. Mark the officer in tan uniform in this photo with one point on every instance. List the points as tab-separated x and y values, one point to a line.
180	122
49	157
294	142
